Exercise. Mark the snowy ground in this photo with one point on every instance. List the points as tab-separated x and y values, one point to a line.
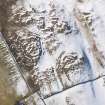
89	93
85	86
84	94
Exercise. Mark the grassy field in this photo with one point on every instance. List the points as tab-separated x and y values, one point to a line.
7	95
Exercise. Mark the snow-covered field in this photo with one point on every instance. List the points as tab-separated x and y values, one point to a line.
65	41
